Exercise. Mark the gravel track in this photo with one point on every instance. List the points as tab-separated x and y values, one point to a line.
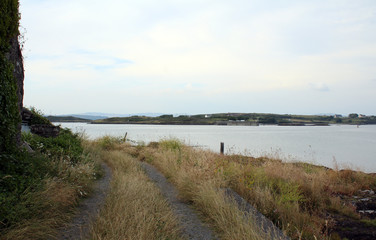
191	225
88	209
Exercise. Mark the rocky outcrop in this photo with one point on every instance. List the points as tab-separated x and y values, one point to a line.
41	129
45	130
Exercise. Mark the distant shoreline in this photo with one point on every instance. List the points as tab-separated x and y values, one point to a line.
229	119
205	124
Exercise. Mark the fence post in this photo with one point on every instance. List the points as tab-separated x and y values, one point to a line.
222	147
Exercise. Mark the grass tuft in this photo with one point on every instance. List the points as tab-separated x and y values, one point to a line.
134	208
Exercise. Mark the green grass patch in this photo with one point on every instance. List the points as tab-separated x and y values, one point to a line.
39	189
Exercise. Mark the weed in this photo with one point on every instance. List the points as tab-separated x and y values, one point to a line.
108	142
38	191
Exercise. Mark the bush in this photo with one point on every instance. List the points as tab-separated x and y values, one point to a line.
66	144
108	142
23	173
38	118
19	172
172	144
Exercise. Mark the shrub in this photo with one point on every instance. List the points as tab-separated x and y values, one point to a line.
108	142
173	144
19	172
66	144
38	117
23	175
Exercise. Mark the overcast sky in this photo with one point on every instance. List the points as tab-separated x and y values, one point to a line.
197	56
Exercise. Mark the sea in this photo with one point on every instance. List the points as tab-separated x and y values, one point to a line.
334	146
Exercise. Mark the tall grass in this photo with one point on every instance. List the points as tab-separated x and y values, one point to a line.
295	196
195	175
37	207
134	208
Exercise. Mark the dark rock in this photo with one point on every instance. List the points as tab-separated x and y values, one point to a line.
26	115
357	228
45	130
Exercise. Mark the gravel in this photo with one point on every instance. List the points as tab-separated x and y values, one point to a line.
87	210
192	227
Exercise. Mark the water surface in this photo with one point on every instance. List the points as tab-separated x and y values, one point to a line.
347	145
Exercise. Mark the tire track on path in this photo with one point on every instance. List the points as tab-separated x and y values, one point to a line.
88	209
192	226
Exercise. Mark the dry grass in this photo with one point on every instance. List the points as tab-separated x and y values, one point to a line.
134	207
53	203
296	196
196	176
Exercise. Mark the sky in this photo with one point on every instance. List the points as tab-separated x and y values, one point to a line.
200	56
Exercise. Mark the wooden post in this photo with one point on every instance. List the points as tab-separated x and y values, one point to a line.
222	147
125	137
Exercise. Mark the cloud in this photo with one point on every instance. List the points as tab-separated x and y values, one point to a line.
203	49
321	87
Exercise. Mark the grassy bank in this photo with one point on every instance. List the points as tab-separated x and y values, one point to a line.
299	198
39	190
134	208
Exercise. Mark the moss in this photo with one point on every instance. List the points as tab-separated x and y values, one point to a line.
9	118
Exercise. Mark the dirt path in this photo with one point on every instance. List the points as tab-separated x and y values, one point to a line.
88	209
191	225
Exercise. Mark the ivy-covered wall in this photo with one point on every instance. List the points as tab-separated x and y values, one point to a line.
9	99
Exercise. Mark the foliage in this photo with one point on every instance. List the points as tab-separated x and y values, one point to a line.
108	142
66	144
19	172
9	18
38	117
172	144
9	118
23	173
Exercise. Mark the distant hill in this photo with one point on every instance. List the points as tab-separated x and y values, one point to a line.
90	117
67	119
241	119
99	115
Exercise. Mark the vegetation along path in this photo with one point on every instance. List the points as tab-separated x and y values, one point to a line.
192	226
88	209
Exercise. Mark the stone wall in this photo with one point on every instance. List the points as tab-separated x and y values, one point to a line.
45	130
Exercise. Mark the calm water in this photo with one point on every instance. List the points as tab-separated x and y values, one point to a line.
347	145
